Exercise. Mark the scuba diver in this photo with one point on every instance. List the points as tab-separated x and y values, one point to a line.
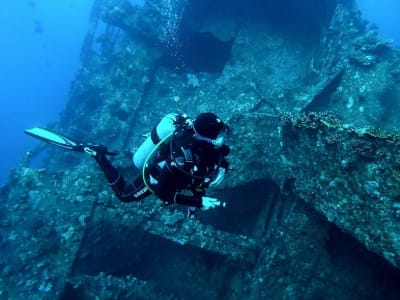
179	160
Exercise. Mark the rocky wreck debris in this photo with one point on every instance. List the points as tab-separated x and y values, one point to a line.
350	44
313	200
356	190
368	49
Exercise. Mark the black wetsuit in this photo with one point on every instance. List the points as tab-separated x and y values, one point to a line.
178	172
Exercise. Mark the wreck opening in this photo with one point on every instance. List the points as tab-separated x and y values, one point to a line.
208	28
181	270
248	208
198	52
301	19
351	257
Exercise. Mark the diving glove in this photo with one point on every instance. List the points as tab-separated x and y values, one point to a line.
95	150
208	202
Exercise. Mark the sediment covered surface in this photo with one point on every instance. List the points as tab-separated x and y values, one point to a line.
313	201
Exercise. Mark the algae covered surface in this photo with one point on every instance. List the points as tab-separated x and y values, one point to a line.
313	198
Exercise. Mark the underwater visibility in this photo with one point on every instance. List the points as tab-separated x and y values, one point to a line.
214	150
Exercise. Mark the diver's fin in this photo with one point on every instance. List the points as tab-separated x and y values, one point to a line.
60	140
54	138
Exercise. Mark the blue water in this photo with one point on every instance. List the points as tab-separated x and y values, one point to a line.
39	54
384	13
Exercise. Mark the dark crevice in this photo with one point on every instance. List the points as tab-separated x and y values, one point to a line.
198	52
154	259
73	293
295	18
346	253
246	210
321	99
285	195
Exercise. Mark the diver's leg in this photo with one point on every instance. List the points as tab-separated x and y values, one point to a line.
113	176
135	191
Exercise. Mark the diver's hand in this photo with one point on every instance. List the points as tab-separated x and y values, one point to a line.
95	150
208	202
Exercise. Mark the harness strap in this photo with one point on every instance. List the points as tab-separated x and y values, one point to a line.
187	153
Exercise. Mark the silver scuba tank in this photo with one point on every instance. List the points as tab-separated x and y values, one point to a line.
163	129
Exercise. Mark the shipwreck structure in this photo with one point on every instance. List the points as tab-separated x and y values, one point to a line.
313	203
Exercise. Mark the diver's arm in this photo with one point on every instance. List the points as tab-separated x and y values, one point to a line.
195	201
224	151
169	194
167	189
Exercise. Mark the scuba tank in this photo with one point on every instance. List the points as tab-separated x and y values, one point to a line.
165	127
